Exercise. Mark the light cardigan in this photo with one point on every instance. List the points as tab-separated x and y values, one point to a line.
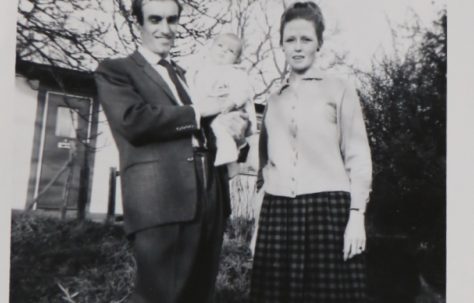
313	139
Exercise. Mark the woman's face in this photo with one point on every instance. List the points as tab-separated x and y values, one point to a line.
300	44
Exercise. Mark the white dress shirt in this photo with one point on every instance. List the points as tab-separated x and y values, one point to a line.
153	60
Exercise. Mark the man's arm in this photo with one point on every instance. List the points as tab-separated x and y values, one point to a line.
135	119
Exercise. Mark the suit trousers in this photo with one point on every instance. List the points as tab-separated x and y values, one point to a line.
178	263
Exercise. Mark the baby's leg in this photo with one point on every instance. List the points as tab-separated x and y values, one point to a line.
227	150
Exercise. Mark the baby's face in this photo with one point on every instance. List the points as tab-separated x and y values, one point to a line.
225	50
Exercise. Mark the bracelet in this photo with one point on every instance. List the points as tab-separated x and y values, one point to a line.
357	210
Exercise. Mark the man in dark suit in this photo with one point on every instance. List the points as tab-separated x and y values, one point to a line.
175	201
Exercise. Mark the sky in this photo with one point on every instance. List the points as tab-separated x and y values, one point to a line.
363	31
365	25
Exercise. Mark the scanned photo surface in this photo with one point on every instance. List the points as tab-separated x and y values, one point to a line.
163	149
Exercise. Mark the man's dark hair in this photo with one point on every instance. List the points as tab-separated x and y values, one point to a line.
138	12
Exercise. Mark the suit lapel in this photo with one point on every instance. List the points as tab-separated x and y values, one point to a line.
153	74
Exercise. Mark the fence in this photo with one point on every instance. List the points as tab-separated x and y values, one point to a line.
242	194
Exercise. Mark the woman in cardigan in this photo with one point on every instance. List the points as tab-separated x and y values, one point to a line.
316	169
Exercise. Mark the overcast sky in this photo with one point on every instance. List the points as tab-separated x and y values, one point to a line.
365	24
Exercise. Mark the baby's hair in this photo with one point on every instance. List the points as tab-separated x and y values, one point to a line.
233	37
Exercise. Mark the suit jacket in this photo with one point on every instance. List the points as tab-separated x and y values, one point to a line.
153	134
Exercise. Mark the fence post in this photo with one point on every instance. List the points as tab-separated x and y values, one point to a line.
83	194
112	190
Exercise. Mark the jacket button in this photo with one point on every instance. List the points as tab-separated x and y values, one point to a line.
190	159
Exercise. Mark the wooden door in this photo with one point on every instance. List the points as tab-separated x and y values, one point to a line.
65	127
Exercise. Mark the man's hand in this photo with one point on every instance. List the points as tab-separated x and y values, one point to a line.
236	123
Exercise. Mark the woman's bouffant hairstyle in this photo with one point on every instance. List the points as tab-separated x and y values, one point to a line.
309	11
137	10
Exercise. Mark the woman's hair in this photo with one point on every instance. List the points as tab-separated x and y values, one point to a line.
309	11
137	10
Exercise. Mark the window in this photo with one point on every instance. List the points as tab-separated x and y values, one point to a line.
66	122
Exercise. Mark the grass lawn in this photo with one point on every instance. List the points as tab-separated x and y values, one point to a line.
87	262
70	261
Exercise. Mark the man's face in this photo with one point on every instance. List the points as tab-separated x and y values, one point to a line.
160	23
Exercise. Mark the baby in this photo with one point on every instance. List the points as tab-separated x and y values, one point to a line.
221	79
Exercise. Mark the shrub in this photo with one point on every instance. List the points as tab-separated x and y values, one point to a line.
53	259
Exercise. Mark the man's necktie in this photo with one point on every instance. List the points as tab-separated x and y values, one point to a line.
183	95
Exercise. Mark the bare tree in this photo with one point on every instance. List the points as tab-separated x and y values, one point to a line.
77	34
257	22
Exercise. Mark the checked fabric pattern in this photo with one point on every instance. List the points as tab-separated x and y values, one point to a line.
298	255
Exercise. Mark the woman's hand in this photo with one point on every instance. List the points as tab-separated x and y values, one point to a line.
354	236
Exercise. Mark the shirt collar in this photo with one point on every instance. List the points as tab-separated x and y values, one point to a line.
314	74
150	56
153	60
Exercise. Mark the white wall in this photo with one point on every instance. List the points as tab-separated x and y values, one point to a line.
23	110
24	115
105	157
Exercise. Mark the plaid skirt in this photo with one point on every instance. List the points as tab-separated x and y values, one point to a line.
299	252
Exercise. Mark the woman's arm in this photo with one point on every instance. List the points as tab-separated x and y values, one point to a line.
357	160
355	148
